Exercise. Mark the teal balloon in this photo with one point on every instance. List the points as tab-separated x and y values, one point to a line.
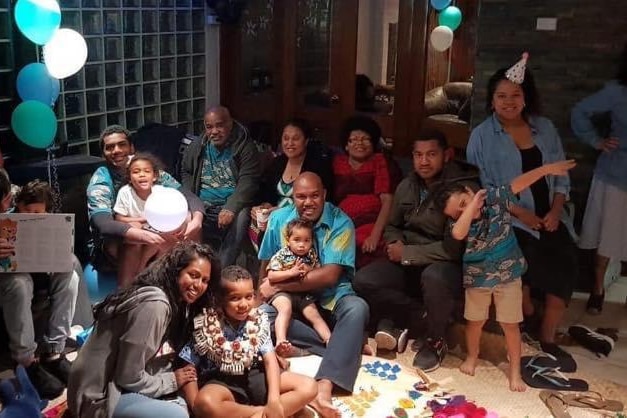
35	83
34	123
38	20
450	17
440	4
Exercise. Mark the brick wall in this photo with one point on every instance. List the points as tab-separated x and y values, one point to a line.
568	64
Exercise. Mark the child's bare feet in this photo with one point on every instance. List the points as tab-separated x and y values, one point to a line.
367	350
258	413
283	348
325	408
516	383
468	366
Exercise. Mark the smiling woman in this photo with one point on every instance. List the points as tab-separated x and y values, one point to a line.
136	321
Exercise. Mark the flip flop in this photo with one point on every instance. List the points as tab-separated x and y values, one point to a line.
565	360
593	400
544	359
549	378
554	401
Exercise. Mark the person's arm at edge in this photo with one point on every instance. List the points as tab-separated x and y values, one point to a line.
321	277
273	376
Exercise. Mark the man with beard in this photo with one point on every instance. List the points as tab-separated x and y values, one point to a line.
334	239
222	168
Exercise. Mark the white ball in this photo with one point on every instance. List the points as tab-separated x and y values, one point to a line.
65	54
441	38
165	209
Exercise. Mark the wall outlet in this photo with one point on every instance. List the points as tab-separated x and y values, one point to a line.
546	23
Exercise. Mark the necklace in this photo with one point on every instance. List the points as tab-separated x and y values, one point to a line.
231	357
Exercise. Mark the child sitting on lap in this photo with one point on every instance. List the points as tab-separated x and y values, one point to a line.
234	360
291	263
493	263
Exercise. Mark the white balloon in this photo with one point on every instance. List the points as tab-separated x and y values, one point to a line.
441	38
165	209
65	54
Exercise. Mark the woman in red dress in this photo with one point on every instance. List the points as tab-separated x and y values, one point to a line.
363	185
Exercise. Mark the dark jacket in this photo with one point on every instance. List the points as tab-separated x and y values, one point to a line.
244	164
315	161
419	225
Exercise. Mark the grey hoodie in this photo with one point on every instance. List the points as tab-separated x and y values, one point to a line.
118	356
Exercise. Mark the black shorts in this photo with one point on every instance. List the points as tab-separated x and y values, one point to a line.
299	300
247	389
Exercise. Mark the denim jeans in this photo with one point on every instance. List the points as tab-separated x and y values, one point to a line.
134	405
226	242
393	290
16	294
341	358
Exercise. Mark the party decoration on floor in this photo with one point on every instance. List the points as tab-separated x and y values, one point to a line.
384	370
34	123
358	404
440	4
516	73
38	20
441	38
65	54
450	17
166	209
35	83
459	407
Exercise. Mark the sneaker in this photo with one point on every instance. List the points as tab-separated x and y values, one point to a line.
48	386
430	355
59	368
595	304
593	341
386	336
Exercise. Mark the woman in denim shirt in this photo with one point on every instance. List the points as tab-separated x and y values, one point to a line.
514	139
604	224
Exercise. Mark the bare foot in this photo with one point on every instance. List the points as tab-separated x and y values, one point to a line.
283	348
516	384
325	408
468	366
367	350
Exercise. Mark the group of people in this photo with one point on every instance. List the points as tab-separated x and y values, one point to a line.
347	245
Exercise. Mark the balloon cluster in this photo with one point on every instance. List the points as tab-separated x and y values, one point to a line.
64	51
449	19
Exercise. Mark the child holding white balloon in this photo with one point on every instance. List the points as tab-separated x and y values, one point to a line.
142	173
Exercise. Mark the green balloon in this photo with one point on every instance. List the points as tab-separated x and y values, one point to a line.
450	17
34	123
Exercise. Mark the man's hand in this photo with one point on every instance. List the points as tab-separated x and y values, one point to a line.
529	218
370	244
266	290
6	249
193	228
551	221
142	236
395	251
608	144
225	218
274	409
184	375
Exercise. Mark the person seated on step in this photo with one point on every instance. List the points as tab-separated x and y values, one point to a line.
108	234
422	258
334	238
293	262
492	263
142	173
48	373
233	358
222	168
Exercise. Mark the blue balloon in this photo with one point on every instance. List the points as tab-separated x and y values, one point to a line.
450	17
99	285
38	20
34	123
440	4
35	83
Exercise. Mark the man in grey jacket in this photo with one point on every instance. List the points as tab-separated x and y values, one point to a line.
222	168
422	258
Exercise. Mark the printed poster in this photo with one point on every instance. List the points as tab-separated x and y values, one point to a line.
44	243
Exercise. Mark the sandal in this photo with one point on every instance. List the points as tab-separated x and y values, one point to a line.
593	400
555	402
540	377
